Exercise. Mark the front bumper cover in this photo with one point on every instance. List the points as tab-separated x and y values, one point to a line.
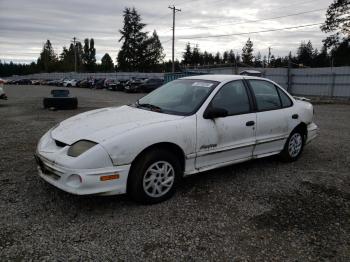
91	183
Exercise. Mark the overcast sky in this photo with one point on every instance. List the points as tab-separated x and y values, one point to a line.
26	24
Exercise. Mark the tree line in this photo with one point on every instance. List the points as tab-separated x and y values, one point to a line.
143	52
306	56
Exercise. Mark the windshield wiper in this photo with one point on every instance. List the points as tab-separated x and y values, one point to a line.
150	106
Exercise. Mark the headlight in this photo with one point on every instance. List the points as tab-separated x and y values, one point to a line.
80	147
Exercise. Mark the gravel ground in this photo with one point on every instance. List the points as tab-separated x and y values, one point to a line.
259	210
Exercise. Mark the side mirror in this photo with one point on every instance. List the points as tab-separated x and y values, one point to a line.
214	112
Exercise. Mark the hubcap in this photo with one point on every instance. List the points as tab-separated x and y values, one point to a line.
158	179
295	144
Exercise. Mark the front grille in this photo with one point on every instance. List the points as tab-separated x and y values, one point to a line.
60	144
46	170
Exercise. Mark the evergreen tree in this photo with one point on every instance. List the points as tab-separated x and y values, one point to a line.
187	55
321	59
196	56
217	58
107	63
47	60
264	61
341	53
231	57
225	57
257	60
338	21
155	54
67	58
272	61
247	53
89	55
211	59
206	58
280	62
305	53
130	56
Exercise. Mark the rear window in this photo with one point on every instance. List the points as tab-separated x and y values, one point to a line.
266	95
286	102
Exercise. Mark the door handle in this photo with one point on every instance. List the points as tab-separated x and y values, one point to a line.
250	123
295	116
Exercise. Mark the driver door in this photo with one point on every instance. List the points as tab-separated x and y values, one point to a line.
229	139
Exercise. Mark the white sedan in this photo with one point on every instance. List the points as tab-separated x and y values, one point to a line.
187	126
70	83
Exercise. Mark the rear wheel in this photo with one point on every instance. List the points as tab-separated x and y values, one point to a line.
154	176
294	146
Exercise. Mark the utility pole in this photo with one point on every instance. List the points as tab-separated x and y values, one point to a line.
289	77
75	52
173	53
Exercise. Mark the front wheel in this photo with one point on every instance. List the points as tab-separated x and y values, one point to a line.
154	176
294	146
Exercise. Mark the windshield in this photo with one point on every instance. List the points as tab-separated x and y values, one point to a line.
179	97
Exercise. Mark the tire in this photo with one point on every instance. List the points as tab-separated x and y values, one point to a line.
145	186
294	146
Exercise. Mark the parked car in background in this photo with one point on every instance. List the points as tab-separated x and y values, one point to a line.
70	83
35	82
44	81
23	82
187	126
121	85
91	82
99	83
83	83
132	85
149	85
2	92
111	84
53	82
61	81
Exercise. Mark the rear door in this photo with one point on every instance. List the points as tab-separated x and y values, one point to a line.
272	119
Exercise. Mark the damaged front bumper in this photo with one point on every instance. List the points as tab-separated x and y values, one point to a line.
101	181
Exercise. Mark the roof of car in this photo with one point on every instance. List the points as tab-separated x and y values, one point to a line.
220	78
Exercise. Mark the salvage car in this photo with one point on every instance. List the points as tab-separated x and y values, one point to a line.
149	85
111	84
187	126
70	83
132	85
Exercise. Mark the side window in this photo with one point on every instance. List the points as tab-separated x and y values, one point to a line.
286	102
266	95
232	97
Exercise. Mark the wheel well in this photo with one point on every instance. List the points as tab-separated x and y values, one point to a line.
175	149
303	128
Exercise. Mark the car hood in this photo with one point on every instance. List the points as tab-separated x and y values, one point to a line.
101	124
